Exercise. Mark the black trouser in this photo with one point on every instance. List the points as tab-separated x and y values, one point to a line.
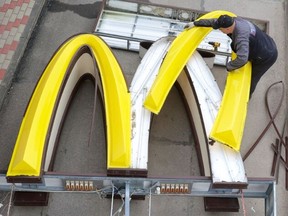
259	68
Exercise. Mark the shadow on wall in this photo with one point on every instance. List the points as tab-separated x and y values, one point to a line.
89	11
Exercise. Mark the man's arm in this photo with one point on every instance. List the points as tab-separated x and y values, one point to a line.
205	22
201	23
241	47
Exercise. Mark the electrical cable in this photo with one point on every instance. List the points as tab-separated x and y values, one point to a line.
10	200
2	201
94	107
5	197
119	210
150	202
243	202
272	117
112	201
54	191
150	196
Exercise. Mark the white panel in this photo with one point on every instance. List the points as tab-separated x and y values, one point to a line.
151	29
226	164
128	6
140	85
117	23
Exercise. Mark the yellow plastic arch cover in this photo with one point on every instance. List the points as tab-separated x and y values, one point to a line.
179	53
230	121
28	151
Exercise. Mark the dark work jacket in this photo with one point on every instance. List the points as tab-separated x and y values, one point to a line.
250	43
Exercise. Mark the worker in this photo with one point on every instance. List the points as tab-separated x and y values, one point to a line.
248	42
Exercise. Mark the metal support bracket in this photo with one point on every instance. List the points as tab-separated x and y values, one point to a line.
196	186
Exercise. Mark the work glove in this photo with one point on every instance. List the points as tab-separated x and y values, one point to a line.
232	47
229	68
189	25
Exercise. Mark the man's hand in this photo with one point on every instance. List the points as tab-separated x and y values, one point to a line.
229	68
189	25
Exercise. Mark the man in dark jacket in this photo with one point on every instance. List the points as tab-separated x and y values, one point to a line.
248	42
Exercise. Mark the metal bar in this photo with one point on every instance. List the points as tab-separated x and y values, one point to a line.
275	148
270	201
216	52
286	157
281	158
119	36
271	118
196	186
133	30
279	148
127	199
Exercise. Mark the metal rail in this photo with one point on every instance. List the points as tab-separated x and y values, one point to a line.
104	186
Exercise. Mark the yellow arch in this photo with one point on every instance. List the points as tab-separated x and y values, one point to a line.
27	157
229	124
230	121
180	51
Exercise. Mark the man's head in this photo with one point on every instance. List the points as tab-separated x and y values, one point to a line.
225	23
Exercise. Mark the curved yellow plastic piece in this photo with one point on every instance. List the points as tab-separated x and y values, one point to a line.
28	152
180	51
230	121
